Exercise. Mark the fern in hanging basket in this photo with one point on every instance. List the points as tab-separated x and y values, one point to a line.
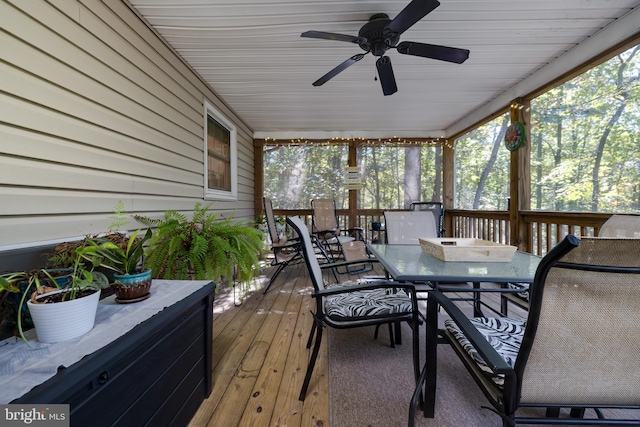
204	247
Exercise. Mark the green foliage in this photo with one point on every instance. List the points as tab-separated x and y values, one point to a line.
37	281
482	173
203	247
119	216
125	260
586	140
293	175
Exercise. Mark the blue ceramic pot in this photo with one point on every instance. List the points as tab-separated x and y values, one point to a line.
128	287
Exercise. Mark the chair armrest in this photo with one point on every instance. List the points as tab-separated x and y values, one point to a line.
486	350
355	230
351	262
290	244
325	231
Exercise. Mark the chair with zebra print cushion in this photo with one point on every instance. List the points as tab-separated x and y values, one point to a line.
353	305
579	346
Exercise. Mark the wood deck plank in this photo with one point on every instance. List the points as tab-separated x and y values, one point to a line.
260	358
229	350
262	403
287	411
258	363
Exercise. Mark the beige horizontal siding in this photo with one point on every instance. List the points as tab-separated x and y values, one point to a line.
94	109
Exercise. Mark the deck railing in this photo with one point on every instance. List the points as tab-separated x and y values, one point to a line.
542	229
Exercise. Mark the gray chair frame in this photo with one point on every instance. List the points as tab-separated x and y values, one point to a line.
285	250
578	284
615	226
322	319
326	227
437	208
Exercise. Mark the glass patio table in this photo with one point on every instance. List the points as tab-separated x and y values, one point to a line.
408	263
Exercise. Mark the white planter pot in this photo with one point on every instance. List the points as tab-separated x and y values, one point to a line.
61	321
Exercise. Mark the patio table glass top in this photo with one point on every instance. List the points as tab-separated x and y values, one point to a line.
409	263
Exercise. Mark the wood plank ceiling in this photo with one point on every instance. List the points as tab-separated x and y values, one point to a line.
251	53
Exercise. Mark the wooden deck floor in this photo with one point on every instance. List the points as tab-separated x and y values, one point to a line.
260	358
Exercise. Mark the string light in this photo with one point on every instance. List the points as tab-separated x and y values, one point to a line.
393	141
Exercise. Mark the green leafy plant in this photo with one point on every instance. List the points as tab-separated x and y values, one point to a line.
203	247
7	285
42	282
125	260
119	217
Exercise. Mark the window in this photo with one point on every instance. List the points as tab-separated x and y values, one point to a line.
220	175
482	167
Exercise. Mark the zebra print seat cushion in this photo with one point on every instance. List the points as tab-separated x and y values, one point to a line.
366	304
504	334
524	287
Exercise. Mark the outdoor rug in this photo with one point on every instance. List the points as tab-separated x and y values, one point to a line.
370	384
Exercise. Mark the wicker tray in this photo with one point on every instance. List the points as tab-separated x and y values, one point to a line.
470	250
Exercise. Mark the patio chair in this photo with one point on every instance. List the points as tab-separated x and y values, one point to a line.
285	251
405	227
579	347
339	243
353	305
621	226
437	208
615	226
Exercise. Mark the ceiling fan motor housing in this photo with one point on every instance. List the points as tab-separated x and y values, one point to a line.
378	40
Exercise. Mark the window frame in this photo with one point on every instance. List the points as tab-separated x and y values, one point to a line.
215	193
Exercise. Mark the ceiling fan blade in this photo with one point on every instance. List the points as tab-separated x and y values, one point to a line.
412	13
387	79
340	68
443	53
332	36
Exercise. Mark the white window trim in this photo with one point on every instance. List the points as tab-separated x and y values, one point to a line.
211	193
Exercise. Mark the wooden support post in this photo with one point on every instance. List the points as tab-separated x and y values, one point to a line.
520	181
448	183
353	194
258	176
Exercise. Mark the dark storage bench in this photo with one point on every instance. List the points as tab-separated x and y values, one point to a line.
156	374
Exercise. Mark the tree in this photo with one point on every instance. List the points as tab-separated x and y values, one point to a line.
412	174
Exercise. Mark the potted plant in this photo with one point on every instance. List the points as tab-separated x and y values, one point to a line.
203	247
13	286
131	280
59	312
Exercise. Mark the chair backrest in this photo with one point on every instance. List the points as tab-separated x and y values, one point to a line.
271	221
438	213
581	342
307	251
324	216
405	227
621	226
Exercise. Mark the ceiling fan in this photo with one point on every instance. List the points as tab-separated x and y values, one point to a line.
381	34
